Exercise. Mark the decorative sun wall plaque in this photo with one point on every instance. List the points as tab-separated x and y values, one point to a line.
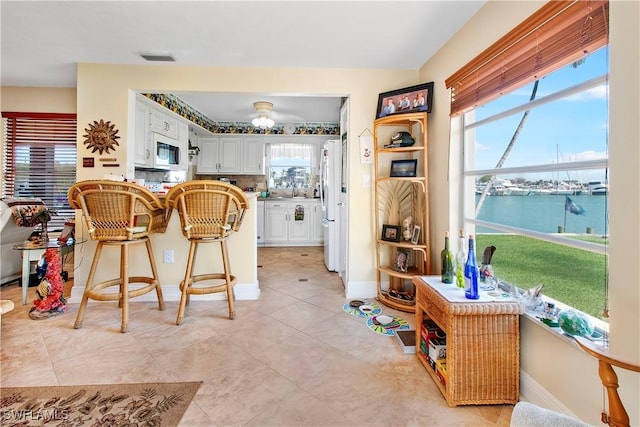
101	136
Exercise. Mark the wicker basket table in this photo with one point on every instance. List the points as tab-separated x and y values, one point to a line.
482	343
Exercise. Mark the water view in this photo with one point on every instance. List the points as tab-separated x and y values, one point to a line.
545	213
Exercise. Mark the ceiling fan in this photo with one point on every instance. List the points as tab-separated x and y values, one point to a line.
263	118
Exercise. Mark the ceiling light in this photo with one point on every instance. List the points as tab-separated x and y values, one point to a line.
264	120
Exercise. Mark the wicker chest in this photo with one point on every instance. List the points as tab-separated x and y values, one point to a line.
482	343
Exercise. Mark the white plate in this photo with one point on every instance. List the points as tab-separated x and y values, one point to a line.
384	319
365	308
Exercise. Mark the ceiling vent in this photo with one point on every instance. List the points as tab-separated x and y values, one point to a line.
158	57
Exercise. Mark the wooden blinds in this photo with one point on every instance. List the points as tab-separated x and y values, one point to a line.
559	33
40	158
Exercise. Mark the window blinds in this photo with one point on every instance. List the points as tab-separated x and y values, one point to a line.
39	159
559	33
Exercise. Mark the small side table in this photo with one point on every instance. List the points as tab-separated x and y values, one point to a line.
33	252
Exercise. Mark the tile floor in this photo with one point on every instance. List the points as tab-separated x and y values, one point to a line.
292	358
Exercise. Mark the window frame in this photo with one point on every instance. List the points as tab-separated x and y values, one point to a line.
46	132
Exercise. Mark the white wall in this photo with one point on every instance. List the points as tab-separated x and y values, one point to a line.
556	373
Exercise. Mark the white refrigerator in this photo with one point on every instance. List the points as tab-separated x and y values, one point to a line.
330	179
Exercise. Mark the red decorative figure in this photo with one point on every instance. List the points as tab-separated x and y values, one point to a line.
50	301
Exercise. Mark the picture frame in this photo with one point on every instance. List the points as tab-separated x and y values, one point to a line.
390	233
403	168
415	236
410	99
402	260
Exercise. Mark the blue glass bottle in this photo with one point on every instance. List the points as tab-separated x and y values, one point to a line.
471	273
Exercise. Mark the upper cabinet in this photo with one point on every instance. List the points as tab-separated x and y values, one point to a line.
143	144
231	155
253	156
219	155
163	123
155	128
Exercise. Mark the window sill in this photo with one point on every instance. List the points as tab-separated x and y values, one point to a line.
601	329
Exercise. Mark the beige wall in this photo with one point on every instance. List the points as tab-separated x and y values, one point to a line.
104	92
548	360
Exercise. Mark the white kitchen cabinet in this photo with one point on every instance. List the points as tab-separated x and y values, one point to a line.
253	156
163	123
143	145
219	155
260	222
281	227
316	231
183	142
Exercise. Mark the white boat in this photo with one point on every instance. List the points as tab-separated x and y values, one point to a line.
511	189
598	188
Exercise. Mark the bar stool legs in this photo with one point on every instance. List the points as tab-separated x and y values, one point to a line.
187	288
92	291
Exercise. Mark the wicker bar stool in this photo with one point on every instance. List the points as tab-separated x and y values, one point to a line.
119	214
210	211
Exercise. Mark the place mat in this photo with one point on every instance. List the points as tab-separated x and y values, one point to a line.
398	324
355	311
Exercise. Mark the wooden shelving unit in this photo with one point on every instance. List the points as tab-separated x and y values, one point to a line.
397	198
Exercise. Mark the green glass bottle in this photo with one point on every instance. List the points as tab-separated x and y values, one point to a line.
447	261
461	258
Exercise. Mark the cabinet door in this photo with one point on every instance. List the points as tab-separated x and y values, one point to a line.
208	158
171	126
253	156
260	222
299	230
275	222
142	137
183	143
163	123
229	155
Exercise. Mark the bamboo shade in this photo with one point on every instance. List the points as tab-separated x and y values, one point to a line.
559	33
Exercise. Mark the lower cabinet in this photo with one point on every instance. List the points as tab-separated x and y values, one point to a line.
260	223
291	223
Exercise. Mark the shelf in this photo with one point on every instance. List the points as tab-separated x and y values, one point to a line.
397	198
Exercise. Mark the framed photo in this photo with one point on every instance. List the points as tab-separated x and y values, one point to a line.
402	260
407	100
391	233
415	236
403	168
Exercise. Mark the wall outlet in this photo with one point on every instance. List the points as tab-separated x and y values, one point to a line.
259	185
168	256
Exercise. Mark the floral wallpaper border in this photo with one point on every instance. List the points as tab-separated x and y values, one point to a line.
183	109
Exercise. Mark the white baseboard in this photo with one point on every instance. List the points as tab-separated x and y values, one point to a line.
531	391
171	292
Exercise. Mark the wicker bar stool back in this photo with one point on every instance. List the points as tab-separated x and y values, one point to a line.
119	214
210	211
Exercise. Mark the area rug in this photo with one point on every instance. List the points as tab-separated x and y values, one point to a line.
397	324
149	404
355	311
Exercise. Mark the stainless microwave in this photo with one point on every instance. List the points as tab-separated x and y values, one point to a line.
167	152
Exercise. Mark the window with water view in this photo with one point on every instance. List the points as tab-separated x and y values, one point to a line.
536	168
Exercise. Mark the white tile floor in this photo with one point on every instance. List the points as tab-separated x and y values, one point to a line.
292	358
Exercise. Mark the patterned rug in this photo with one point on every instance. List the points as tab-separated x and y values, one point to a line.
355	311
397	324
149	404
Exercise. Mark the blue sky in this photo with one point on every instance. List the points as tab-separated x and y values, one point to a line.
571	129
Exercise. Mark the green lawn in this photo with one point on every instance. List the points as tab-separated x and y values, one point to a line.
572	276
